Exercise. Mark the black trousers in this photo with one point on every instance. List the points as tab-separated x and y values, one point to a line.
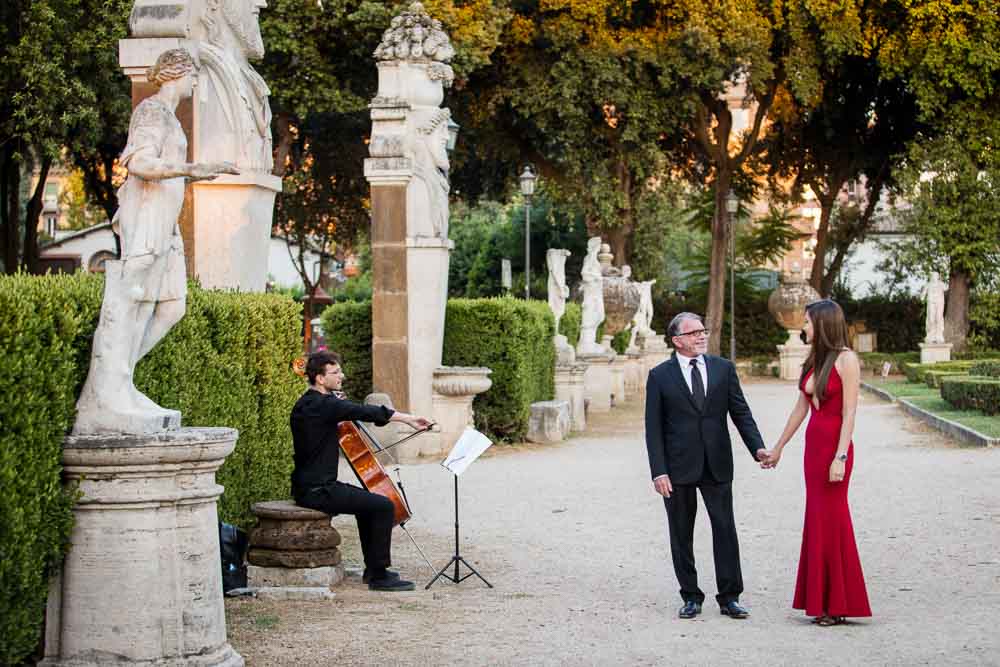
374	514
682	507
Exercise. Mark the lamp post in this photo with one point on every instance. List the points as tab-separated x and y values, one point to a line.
528	178
732	207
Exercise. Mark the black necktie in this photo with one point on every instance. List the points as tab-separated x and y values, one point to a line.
697	386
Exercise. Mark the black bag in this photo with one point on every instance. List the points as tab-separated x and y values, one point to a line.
233	544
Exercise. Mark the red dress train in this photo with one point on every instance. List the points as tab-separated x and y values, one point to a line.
830	581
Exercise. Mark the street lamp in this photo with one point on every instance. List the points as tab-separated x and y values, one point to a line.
528	178
732	207
453	128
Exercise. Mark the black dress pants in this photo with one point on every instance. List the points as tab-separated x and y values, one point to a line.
374	514
682	507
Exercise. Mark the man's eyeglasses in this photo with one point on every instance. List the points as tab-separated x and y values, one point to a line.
696	332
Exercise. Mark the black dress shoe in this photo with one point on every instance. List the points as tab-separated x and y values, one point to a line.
690	609
367	575
390	584
733	610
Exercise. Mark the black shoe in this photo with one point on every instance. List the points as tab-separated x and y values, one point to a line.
390	584
690	609
733	609
366	576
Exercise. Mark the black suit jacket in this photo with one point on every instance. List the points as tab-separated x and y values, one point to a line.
679	437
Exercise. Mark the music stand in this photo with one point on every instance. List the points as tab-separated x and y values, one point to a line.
466	450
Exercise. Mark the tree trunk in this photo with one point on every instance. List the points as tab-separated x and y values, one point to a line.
717	266
956	310
10	182
826	202
283	146
34	212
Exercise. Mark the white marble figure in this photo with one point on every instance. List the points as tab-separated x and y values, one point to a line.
592	283
428	191
934	293
235	120
144	292
555	259
415	35
643	318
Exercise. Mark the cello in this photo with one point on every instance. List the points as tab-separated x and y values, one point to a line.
359	448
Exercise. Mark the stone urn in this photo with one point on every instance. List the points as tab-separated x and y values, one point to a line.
621	297
787	304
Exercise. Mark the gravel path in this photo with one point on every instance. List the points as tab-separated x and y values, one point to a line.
575	543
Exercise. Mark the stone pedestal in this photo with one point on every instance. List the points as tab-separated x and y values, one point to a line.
931	353
293	546
618	367
598	380
549	422
635	379
454	389
142	584
654	352
791	356
570	388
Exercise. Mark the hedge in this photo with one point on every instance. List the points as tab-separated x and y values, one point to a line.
972	393
502	333
227	363
873	361
915	372
988	367
932	378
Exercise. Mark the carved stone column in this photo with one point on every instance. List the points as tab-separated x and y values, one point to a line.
141	583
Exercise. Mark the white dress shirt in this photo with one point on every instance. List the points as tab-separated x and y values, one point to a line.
685	363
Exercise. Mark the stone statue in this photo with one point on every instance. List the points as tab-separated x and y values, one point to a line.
643	318
428	192
934	292
555	259
416	36
592	285
144	292
235	124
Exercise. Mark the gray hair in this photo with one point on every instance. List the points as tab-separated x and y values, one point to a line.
675	324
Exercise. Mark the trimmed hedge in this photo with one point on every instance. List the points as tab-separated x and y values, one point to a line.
873	360
915	372
502	333
227	363
988	367
972	393
569	323
932	378
514	338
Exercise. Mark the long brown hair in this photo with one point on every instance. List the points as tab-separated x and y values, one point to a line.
828	340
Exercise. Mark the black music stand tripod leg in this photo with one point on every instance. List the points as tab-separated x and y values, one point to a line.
457	558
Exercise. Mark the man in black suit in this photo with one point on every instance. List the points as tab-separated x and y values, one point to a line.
687	438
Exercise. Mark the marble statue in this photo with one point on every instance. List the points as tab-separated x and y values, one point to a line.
934	293
555	259
235	124
643	318
428	193
414	35
592	285
145	291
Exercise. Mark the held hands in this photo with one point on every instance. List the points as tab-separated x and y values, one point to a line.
768	458
837	470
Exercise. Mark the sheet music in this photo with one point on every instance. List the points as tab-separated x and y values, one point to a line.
470	445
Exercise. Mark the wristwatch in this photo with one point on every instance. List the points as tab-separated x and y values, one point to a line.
842	457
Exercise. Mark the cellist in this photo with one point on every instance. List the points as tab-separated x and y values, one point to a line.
315	420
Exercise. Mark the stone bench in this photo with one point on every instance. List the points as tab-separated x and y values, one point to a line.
293	546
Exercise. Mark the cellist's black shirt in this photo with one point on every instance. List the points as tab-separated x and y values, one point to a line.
314	420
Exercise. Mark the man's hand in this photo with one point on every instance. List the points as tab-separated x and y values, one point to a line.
418	423
768	458
663	486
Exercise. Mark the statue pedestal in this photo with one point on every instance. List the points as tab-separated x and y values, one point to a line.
932	353
618	370
635	380
293	547
654	352
141	583
230	232
570	388
792	355
598	380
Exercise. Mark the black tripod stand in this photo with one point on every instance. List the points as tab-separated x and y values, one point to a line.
457	558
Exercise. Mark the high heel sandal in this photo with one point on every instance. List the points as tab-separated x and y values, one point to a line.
827	621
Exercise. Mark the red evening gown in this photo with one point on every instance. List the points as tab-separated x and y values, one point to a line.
830	581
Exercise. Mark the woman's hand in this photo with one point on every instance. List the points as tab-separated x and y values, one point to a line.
837	470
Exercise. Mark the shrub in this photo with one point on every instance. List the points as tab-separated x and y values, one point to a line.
873	360
915	372
514	338
989	368
984	320
348	331
972	393
932	378
899	322
569	323
227	363
511	336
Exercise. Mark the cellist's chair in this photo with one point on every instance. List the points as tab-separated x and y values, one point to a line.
293	546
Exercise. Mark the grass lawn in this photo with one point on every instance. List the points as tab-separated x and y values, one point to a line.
930	399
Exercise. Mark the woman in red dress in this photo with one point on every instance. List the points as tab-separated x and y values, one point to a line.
830	584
